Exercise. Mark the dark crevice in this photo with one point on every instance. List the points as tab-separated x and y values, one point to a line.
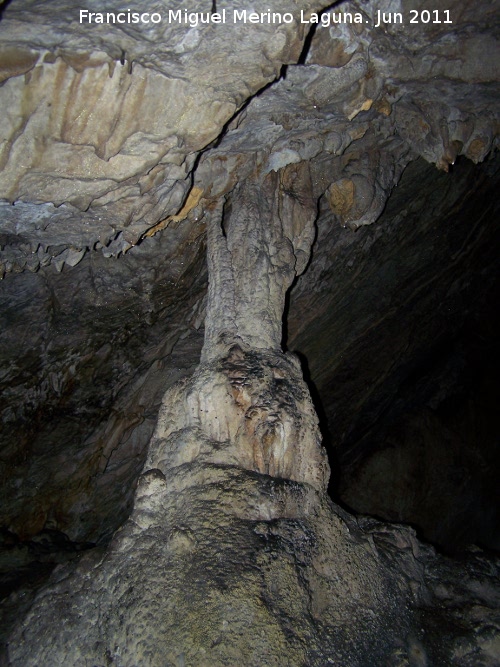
284	318
324	427
312	31
226	216
307	45
225	128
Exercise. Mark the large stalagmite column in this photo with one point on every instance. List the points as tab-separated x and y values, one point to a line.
233	554
247	404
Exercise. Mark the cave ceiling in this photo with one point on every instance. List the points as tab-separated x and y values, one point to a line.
118	144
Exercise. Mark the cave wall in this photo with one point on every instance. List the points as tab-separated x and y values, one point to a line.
121	145
399	333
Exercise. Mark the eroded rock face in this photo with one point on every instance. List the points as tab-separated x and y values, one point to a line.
219	565
232	552
90	379
399	333
248	409
108	125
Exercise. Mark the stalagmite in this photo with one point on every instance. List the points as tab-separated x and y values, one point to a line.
234	468
233	553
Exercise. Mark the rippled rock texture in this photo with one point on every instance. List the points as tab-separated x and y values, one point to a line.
219	565
287	163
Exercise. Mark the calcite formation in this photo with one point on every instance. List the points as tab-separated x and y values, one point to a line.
135	160
224	557
247	409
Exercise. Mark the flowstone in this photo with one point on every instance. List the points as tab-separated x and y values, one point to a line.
233	553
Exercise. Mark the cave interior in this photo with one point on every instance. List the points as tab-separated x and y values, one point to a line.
120	147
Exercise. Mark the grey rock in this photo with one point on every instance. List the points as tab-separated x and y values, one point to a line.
294	162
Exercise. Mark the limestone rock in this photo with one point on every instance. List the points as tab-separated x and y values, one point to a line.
248	409
128	154
218	565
